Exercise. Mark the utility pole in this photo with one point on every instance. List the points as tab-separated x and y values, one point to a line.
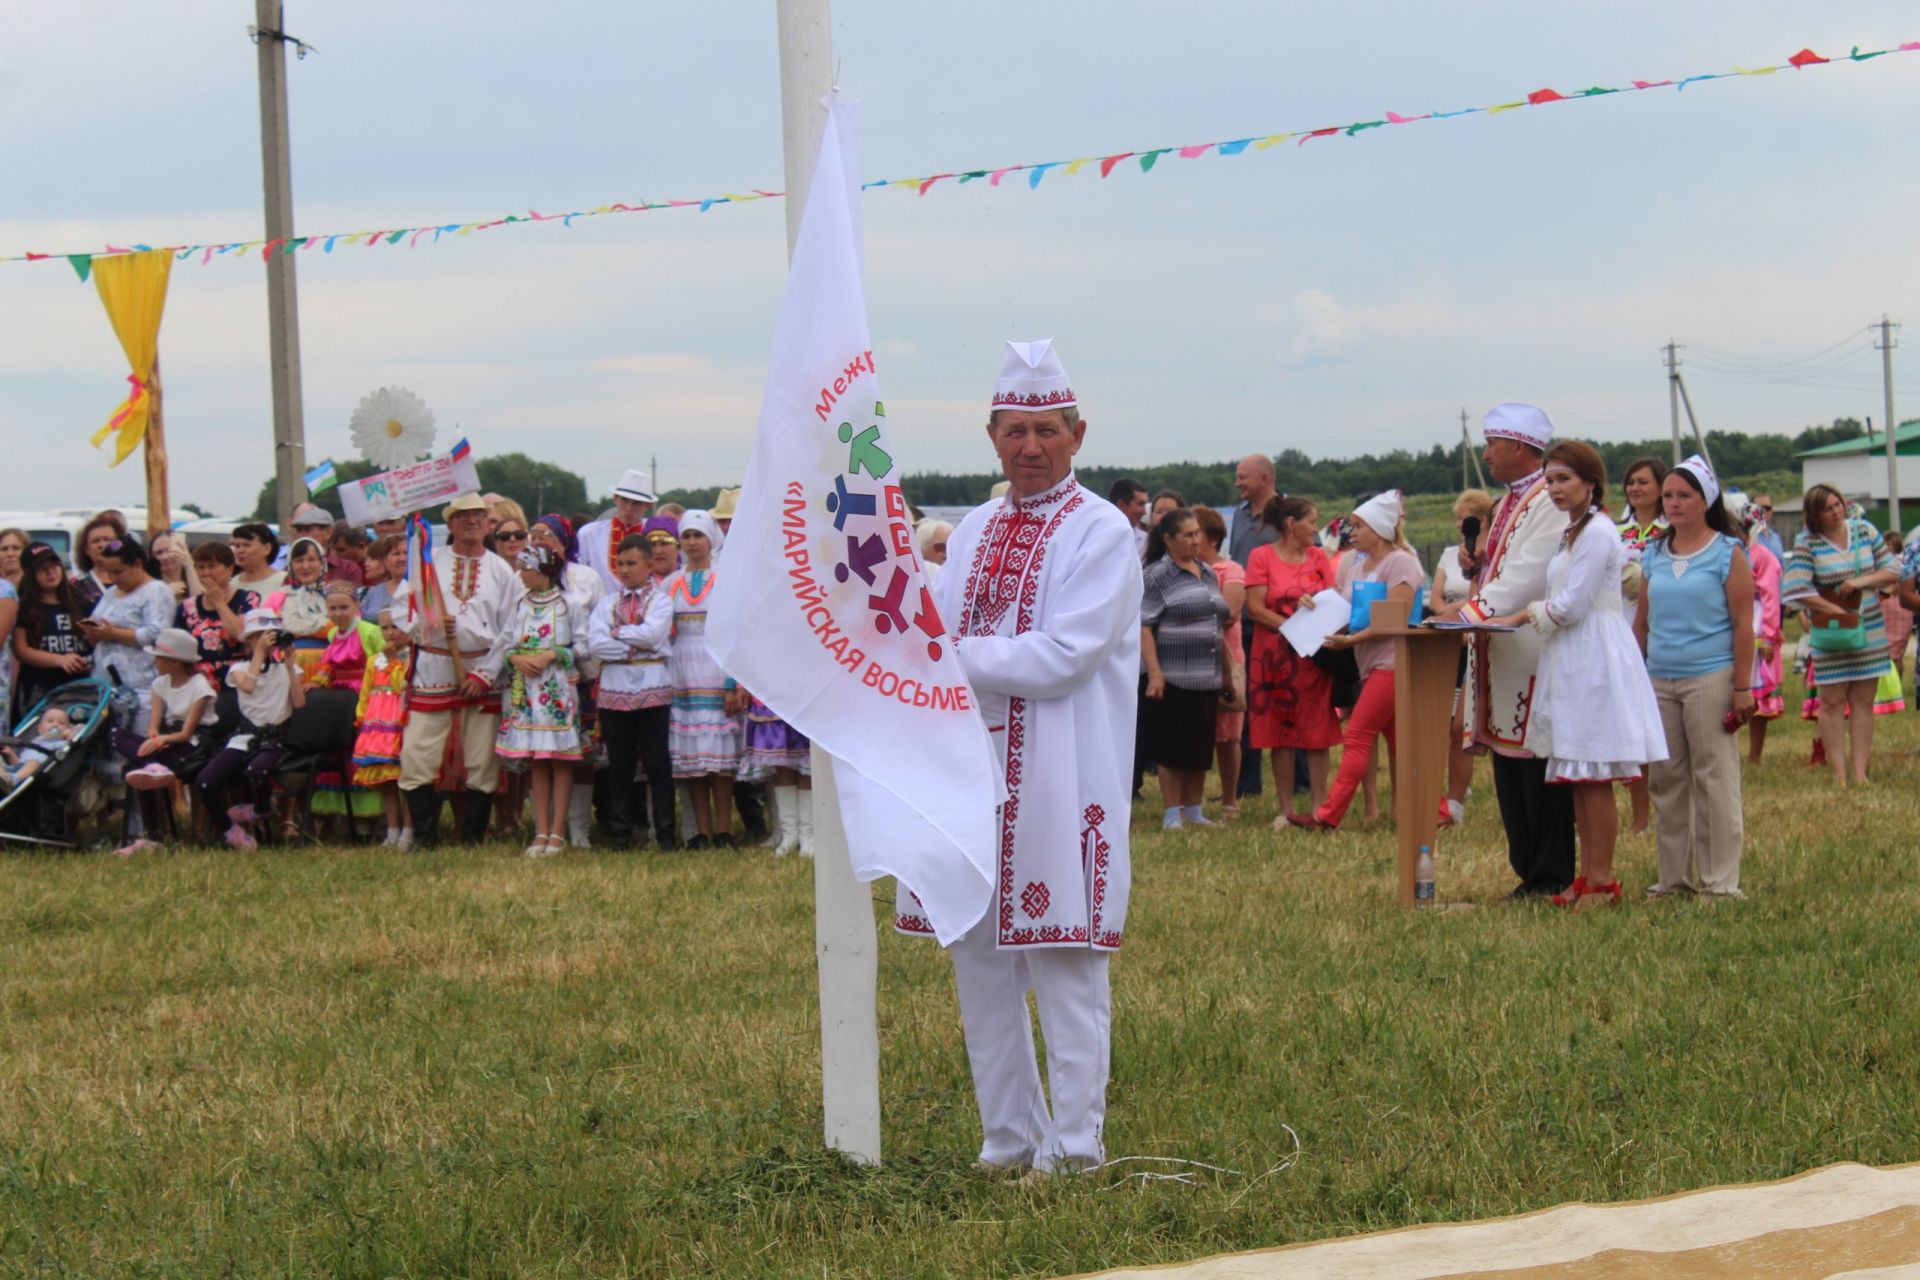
1467	453
283	308
1893	424
1699	436
1673	395
653	475
1466	447
846	949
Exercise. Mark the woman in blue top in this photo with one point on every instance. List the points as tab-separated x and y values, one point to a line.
1836	572
1694	621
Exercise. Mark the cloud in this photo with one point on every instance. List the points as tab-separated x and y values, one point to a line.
1314	329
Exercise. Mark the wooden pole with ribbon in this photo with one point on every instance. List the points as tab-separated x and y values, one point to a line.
159	502
133	288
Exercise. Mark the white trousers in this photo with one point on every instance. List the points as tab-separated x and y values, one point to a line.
1070	987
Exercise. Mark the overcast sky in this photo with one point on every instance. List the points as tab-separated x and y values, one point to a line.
1347	296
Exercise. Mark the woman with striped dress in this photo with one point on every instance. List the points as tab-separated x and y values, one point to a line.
1835	573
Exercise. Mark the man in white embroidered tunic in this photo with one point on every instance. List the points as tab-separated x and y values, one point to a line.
481	595
1046	613
1512	573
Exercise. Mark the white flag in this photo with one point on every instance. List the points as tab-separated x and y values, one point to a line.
822	607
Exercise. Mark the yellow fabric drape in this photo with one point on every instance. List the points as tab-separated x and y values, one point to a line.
134	288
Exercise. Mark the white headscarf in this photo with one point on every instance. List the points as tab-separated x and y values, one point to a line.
1382	514
1697	467
703	522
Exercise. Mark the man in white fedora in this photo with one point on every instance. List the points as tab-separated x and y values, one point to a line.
1042	594
1511	573
480	596
600	541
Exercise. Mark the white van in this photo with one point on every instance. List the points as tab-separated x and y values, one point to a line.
60	527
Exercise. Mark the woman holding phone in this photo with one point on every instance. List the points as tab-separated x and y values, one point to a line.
133	610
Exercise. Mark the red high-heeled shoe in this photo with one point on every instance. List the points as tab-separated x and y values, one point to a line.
1608	893
1571	894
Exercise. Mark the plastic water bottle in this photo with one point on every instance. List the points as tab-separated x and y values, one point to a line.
1423	878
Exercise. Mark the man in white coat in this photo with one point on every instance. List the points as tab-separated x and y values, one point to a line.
600	541
1512	574
1042	594
480	598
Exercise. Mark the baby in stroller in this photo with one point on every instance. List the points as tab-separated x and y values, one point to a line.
51	734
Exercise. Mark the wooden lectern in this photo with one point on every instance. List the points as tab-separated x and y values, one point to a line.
1425	663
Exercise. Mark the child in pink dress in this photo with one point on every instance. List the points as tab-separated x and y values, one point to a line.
381	717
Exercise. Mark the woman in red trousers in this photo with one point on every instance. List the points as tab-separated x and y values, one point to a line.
1380	554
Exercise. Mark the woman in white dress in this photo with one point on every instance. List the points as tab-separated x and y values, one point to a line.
706	727
1594	714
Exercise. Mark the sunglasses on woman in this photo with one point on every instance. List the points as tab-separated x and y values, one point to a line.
511	535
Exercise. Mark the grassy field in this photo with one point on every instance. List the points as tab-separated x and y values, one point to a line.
358	1064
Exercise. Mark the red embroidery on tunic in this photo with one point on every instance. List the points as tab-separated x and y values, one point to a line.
1034	899
1021	583
1095	855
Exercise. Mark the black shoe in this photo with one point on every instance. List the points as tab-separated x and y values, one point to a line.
698	842
724	840
667	841
753	813
423	805
473	830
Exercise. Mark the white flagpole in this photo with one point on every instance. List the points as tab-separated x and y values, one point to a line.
844	942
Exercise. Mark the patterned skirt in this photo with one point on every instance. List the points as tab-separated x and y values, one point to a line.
376	751
772	743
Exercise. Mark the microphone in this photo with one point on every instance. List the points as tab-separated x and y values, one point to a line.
1469	555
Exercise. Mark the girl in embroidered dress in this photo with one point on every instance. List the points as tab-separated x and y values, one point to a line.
1594	713
351	641
540	709
381	716
778	753
704	734
302	606
582	587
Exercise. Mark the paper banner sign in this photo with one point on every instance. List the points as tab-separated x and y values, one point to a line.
1102	164
432	483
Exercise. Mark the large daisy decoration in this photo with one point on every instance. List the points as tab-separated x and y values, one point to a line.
392	428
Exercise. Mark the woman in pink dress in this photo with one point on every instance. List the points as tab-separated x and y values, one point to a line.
1769	700
1289	698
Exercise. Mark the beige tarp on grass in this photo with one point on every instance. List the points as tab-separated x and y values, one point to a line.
1846	1220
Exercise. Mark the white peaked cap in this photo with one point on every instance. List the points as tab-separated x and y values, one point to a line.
1382	513
1032	379
633	484
1522	422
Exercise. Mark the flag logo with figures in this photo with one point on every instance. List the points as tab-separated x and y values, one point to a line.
822	607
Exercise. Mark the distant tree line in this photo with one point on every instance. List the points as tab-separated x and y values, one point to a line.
1737	455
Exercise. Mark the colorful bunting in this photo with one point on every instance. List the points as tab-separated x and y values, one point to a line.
1148	157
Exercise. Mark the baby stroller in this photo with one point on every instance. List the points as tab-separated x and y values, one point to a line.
42	807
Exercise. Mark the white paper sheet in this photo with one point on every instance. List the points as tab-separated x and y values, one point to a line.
1308	629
